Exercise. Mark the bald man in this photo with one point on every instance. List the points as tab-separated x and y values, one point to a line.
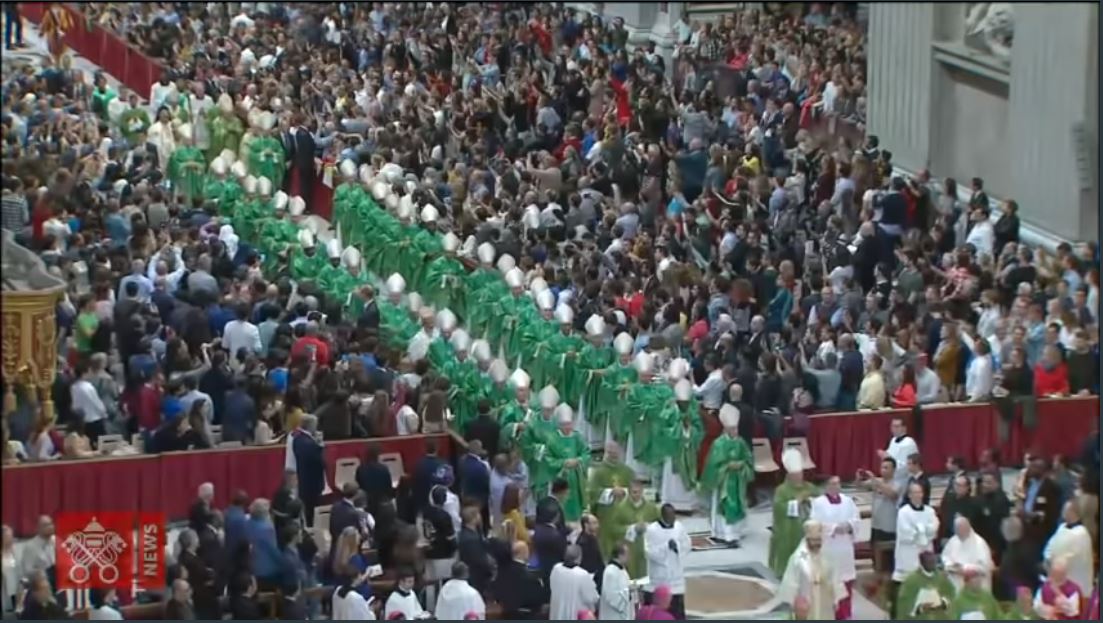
520	590
810	578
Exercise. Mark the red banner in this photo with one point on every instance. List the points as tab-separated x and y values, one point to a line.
110	550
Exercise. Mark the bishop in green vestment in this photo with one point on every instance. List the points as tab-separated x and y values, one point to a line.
568	457
133	123
975	600
537	432
266	159
617	382
792	506
187	170
677	444
628	520
728	468
608	486
330	274
306	262
515	415
224	126
926	594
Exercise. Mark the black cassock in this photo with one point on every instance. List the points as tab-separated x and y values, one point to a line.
301	157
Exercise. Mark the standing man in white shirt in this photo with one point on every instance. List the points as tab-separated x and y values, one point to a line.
87	404
241	334
616	588
572	587
667	546
927	384
838	514
900	447
39	553
104	604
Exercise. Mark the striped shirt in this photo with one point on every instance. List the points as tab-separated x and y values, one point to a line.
15	214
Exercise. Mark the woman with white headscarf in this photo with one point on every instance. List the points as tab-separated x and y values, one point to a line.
229	240
967	553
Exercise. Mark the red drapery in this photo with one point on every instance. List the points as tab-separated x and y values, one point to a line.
103	48
840	444
167	483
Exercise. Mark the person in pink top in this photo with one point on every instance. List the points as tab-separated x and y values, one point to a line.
1059	599
658	610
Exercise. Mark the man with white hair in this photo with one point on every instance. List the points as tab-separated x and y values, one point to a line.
516	414
810	585
608	484
539	431
645	405
728	469
967	553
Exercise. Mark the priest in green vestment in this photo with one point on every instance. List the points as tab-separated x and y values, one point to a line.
496	390
628	520
331	273
133	123
266	156
443	277
792	506
592	359
617	382
536	433
728	468
517	412
306	262
608	486
975	600
225	127
567	457
678	442
649	407
187	167
926	594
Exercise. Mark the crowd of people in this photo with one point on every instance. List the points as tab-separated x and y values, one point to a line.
341	221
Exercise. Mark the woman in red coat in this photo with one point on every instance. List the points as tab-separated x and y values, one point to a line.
1051	375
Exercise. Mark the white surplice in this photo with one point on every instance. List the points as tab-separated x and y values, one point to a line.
458	599
1076	543
969	554
838	545
916	530
811	576
351	607
616	595
664	565
721	528
572	589
407	604
641	470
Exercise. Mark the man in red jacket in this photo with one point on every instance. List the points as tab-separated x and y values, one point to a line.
1051	375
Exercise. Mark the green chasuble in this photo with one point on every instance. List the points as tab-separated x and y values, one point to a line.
729	481
679	440
560	450
276	234
101	99
466	387
187	170
306	267
512	414
133	123
1015	612
625	515
545	356
444	287
971	600
590	360
930	588
328	278
539	432
396	325
650	412
225	132
266	159
609	476
617	381
792	506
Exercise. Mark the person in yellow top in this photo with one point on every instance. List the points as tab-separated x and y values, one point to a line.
513	528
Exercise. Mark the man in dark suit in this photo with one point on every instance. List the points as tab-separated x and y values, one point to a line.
302	160
309	464
344	514
485	429
369	315
548	539
291	605
474	550
591	552
179	607
423	474
519	590
475	479
916	475
374	479
1042	506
